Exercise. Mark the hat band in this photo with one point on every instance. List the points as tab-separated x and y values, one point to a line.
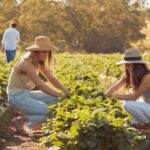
132	58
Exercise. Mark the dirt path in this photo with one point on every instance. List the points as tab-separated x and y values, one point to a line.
18	142
12	141
21	143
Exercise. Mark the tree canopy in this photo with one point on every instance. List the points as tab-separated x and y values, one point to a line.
90	25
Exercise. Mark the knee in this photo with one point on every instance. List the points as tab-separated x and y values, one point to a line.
53	100
56	100
43	119
128	106
45	111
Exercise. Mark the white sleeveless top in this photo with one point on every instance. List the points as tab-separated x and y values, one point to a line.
18	83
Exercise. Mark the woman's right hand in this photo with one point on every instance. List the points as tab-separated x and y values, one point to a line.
67	93
60	95
108	94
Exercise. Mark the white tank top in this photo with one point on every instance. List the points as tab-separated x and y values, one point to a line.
18	82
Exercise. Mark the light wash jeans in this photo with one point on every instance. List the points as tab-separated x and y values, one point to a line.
10	55
140	111
33	104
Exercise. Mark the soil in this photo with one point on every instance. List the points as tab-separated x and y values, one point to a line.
17	142
9	140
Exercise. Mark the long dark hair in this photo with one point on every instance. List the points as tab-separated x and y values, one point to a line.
139	71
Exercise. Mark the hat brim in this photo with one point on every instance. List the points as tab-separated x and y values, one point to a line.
132	62
40	48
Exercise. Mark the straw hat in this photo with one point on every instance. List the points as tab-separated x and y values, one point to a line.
41	43
132	56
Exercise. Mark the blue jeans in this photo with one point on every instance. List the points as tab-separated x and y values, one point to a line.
140	111
10	55
33	104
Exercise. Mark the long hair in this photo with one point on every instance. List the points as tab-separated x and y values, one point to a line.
139	71
48	62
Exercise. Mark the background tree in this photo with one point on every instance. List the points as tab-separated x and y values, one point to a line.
116	26
91	25
9	11
102	26
42	19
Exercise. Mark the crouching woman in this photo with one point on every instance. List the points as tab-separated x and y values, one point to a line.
137	76
33	104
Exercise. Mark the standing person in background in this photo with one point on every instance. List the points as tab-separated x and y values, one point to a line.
136	76
9	42
23	97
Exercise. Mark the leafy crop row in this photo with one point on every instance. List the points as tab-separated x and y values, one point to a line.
5	70
87	120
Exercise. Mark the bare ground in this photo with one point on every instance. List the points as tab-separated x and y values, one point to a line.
22	143
9	140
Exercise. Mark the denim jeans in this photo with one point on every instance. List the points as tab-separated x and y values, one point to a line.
33	104
10	55
140	111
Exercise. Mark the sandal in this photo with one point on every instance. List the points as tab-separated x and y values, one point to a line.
17	129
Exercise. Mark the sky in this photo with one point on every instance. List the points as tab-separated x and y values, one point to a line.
147	1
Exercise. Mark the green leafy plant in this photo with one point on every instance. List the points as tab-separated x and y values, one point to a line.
87	120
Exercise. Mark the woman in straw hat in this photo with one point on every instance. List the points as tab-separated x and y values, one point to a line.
33	104
137	76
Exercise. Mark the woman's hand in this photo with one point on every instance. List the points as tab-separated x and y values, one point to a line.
107	94
67	92
64	95
61	95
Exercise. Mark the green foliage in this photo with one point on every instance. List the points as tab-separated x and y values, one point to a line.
86	120
5	70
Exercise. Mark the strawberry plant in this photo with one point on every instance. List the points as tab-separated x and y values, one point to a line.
87	120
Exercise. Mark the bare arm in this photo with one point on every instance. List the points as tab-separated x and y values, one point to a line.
18	37
48	74
116	87
144	86
28	68
3	41
2	47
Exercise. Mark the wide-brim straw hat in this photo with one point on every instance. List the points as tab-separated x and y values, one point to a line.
41	43
132	56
